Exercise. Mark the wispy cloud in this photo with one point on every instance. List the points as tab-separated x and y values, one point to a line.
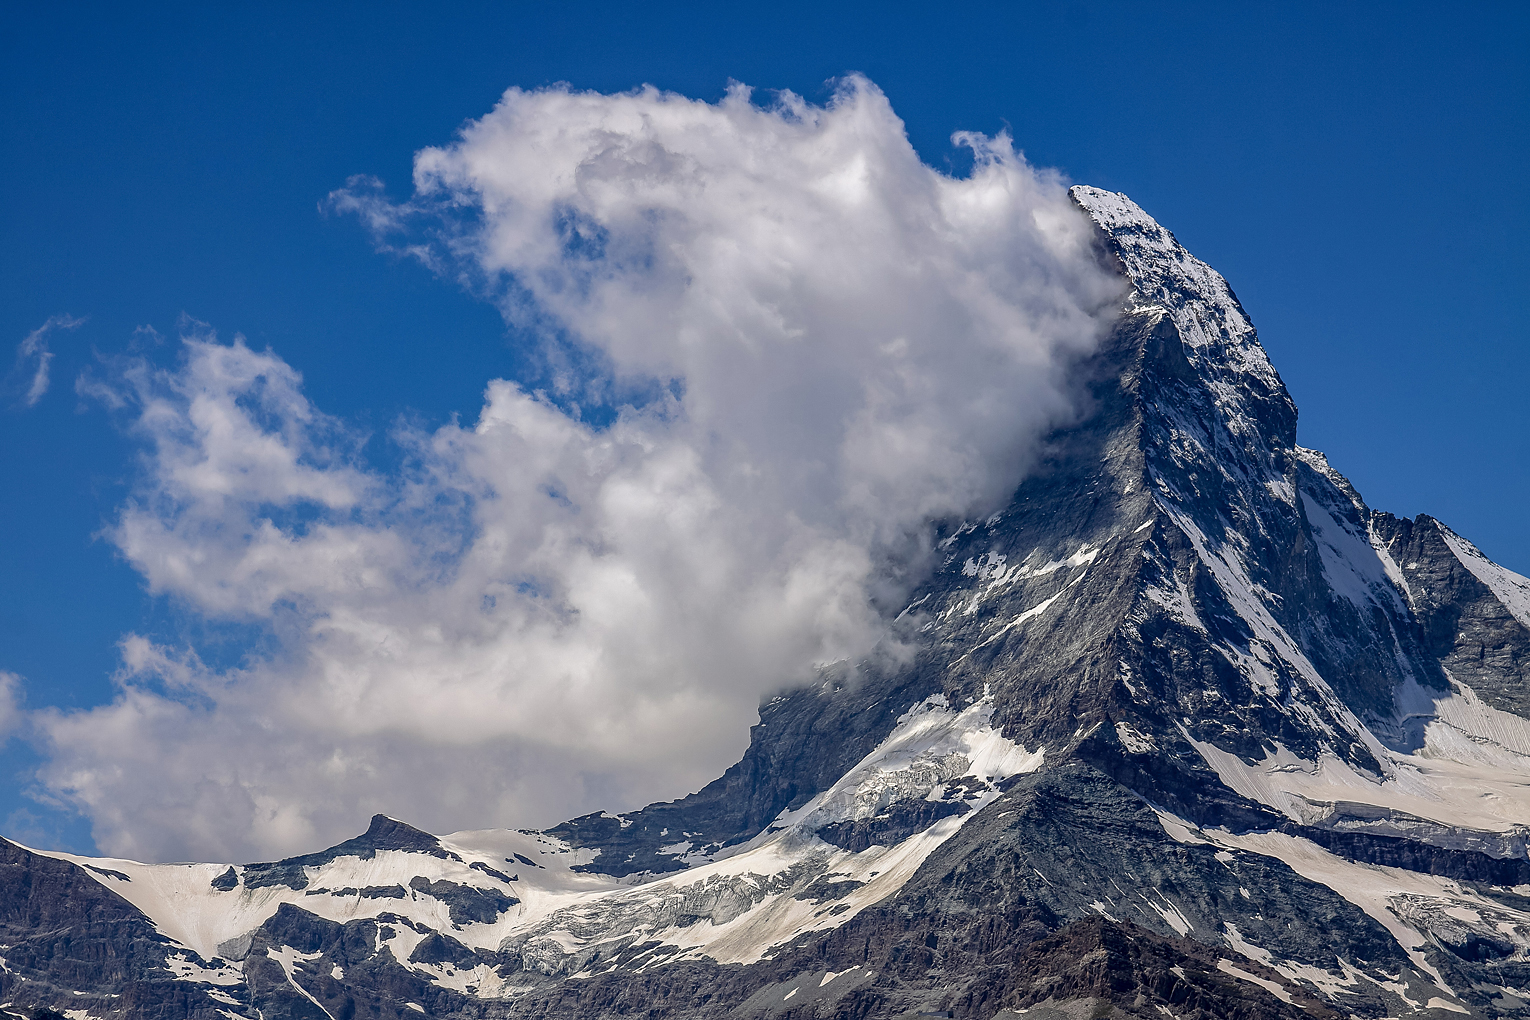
30	376
11	717
806	345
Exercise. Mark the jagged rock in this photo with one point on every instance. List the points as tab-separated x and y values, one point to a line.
466	903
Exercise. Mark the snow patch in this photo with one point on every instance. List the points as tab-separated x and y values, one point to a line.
1350	562
1171	914
1447	792
1177	603
1134	740
1438	1003
1029	614
289	958
186	969
1275	989
994	571
1328	983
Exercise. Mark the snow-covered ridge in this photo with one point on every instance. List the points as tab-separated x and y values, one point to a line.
788	880
518	892
1164	274
490	890
1219	429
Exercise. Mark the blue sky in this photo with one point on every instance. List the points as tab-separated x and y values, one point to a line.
1356	172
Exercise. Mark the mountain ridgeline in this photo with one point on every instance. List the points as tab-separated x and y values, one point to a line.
1189	731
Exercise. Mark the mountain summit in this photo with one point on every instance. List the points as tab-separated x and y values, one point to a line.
1188	730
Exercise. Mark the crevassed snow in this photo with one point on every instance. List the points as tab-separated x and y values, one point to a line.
1512	589
930	744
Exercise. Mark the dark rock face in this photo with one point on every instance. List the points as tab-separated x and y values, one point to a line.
68	941
491	872
1134	972
466	903
1199	630
1426	858
1470	632
372	983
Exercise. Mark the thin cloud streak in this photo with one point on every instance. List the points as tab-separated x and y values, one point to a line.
31	373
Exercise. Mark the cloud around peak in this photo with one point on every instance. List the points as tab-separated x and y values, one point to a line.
775	345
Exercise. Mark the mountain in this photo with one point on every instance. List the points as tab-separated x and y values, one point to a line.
1188	730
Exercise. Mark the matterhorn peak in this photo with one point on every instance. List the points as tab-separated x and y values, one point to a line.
1186	730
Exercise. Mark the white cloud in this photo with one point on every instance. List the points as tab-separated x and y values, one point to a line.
33	359
818	345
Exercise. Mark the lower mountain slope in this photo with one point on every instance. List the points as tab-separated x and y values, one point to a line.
1188	730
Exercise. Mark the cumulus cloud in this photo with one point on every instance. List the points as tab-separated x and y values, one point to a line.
776	346
30	375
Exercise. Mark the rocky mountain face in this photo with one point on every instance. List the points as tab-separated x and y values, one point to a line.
1188	731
